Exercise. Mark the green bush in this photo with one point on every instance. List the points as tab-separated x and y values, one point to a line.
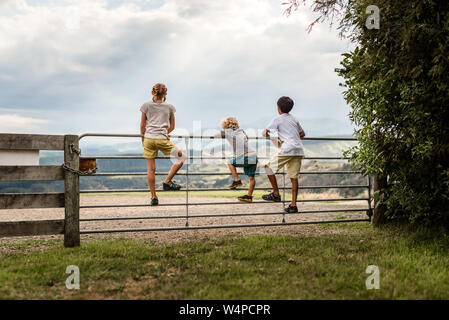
397	84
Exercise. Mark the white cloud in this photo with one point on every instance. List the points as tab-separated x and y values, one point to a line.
17	123
217	58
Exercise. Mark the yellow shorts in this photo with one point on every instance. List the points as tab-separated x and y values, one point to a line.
153	146
292	164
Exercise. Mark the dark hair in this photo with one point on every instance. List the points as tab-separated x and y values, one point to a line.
285	104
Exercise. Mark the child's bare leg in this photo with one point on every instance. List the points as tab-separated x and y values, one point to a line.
274	184
294	191
176	166
174	169
252	184
271	176
233	171
151	173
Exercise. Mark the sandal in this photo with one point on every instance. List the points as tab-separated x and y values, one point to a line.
171	186
271	197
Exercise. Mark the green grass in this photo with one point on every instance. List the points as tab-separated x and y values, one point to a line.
328	264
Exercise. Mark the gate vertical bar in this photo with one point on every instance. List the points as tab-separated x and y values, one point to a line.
187	180
370	210
283	195
257	154
71	193
201	150
257	146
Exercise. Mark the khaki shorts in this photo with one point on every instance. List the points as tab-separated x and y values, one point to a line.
292	164
153	146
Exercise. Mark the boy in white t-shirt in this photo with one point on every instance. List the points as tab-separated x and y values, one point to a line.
291	151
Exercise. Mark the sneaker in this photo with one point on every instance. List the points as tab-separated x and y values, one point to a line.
235	184
271	197
246	198
171	186
154	202
291	209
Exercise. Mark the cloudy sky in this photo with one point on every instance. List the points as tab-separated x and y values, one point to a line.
88	65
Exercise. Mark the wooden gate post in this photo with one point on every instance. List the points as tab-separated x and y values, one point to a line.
71	193
380	183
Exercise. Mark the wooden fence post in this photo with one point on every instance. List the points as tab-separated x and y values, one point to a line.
71	193
380	183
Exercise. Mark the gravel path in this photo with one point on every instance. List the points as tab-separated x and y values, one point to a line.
234	207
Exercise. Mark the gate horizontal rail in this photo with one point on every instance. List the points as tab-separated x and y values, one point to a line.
200	204
224	226
229	190
110	174
115	135
188	204
217	215
198	158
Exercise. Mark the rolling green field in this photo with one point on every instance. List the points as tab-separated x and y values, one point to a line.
327	262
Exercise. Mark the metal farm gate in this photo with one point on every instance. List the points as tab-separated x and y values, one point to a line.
193	156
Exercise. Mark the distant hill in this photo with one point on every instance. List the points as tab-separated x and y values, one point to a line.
323	127
312	149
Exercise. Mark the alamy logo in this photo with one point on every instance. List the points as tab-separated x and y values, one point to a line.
373	280
373	20
73	281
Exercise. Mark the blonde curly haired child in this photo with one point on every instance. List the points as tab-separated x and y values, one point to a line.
244	155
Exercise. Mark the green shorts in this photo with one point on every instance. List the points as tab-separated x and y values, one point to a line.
248	163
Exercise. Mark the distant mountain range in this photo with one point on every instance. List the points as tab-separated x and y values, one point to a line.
312	149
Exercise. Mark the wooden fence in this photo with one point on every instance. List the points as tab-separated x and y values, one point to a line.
70	199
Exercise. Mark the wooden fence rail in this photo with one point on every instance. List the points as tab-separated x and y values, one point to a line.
32	200
31	228
31	173
31	142
69	226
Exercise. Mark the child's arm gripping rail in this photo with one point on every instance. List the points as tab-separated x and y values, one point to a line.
275	139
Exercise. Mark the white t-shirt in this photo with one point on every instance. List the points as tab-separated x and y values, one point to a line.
238	140
158	119
288	129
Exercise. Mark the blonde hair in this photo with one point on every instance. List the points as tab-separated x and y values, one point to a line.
159	91
230	123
